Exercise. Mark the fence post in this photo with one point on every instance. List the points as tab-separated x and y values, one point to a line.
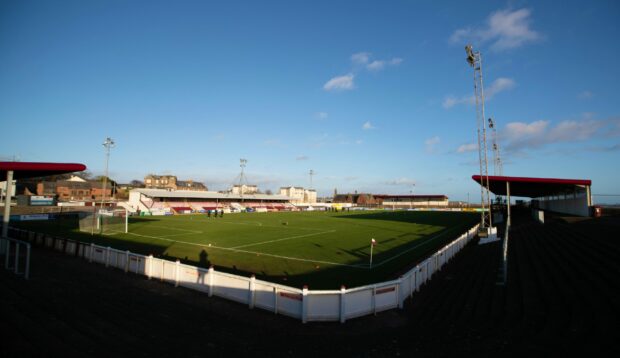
127	261
374	300
275	300
399	292
304	304
343	294
107	257
150	274
177	268
211	274
16	257
27	272
251	293
7	253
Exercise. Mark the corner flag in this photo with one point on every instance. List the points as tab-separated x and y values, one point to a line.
373	242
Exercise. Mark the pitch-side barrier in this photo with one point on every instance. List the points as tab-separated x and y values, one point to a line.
303	304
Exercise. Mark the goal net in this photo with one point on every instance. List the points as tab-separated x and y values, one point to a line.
105	222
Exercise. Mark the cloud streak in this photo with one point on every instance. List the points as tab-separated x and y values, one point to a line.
520	136
504	30
340	83
367	126
501	84
431	144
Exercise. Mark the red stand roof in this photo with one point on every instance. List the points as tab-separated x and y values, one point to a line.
533	187
23	170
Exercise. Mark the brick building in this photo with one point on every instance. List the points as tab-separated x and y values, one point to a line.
171	182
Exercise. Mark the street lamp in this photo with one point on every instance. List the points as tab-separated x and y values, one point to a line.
107	144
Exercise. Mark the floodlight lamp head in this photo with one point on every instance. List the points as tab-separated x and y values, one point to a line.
470	55
491	124
108	143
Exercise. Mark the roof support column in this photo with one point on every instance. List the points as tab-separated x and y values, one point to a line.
7	203
589	196
508	220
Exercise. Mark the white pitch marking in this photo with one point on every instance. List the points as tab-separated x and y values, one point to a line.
362	266
283	239
409	249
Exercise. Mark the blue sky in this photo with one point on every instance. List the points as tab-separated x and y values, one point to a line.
374	96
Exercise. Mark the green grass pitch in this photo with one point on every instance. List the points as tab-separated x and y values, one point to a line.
321	249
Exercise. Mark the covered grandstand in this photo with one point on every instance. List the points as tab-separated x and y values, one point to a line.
562	196
161	201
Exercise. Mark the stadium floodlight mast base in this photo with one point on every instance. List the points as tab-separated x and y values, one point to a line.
474	58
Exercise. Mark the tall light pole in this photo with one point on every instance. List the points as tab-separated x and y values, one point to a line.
242	164
474	58
107	144
311	173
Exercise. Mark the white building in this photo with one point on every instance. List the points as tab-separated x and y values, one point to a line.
244	189
298	194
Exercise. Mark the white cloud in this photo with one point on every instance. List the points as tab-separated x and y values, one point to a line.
499	85
466	148
568	131
451	101
520	136
504	29
585	95
359	141
431	143
302	158
361	58
401	182
367	126
396	61
322	115
340	83
376	65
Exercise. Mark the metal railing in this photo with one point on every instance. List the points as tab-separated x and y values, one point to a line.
6	245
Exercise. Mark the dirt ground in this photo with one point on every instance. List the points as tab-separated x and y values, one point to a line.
559	300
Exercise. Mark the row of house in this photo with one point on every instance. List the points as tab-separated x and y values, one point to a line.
75	188
386	200
170	182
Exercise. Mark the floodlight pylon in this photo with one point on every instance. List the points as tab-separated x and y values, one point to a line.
474	58
107	144
497	160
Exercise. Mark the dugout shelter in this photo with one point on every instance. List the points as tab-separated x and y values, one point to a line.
21	170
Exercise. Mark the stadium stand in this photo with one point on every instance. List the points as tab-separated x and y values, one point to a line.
182	209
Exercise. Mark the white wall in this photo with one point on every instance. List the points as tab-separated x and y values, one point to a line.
569	204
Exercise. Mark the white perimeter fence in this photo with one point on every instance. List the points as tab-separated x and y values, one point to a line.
307	305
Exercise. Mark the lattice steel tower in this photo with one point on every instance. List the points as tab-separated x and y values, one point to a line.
311	174
475	61
498	168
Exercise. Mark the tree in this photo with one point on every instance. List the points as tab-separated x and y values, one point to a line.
268	192
136	183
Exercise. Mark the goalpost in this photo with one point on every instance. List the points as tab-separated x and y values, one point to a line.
105	222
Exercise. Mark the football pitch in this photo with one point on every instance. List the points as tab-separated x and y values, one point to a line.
323	250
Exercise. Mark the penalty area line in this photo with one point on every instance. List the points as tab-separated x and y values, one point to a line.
283	239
